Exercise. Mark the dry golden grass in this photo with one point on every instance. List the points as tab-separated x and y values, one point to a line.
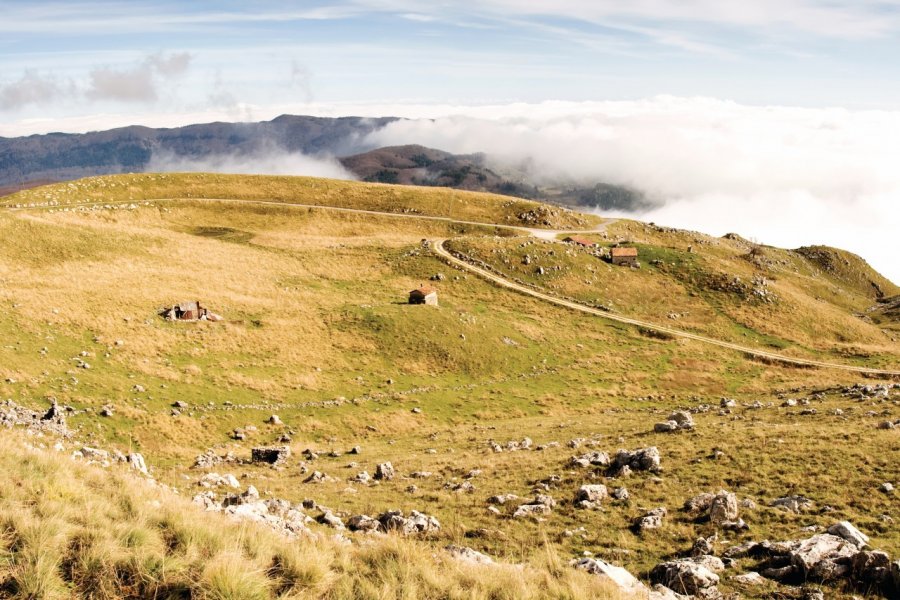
811	314
441	202
315	311
74	531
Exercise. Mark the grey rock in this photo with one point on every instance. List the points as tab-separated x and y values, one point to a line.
415	523
723	508
684	576
793	504
650	520
590	495
749	579
846	530
623	580
363	523
469	555
384	471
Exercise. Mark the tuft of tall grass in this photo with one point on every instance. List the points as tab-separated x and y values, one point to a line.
72	530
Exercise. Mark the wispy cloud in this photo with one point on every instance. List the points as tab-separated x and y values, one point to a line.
31	88
268	160
841	19
138	83
99	17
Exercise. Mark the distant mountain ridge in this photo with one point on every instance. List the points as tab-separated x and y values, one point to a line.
40	159
418	165
63	156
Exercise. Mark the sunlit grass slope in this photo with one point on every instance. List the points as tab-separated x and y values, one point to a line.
318	331
442	202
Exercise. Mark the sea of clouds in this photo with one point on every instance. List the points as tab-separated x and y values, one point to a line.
783	176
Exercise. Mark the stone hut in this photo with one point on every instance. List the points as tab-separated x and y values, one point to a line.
189	311
579	241
623	256
423	295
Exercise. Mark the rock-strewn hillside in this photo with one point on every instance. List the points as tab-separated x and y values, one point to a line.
490	427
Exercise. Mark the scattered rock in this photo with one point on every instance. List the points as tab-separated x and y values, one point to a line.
502	499
620	493
136	462
723	509
362	477
597	459
678	421
216	480
620	577
750	579
793	504
846	530
686	576
330	519
384	471
363	523
642	459
650	520
318	477
590	496
415	523
468	555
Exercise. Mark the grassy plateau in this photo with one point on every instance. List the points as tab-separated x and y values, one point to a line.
317	331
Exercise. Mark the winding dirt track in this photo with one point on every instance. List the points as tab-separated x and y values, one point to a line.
443	253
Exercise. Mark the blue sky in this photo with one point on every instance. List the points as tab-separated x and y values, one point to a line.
63	59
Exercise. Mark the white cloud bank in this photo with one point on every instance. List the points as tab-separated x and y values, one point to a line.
265	162
785	176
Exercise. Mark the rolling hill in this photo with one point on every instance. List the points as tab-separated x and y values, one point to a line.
479	404
40	159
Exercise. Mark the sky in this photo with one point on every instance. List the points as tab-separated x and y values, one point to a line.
778	119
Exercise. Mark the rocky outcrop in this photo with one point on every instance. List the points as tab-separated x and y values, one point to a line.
52	421
384	471
721	509
590	496
833	557
652	519
415	523
279	515
678	421
623	580
468	555
641	459
690	576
